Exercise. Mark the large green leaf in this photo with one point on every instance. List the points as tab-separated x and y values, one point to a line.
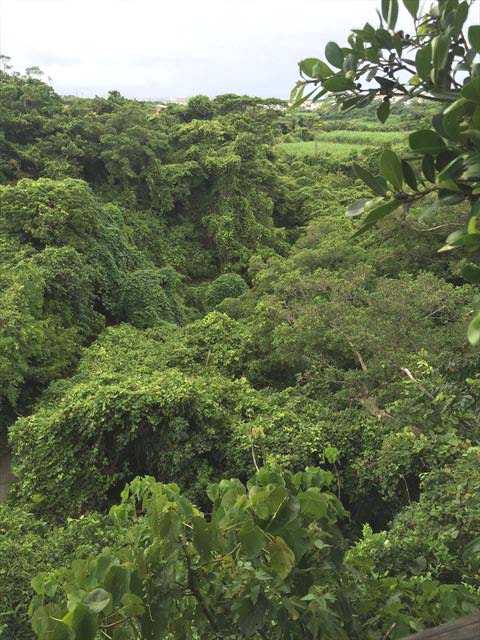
426	141
252	538
334	55
282	557
391	168
205	537
97	600
83	622
313	503
117	582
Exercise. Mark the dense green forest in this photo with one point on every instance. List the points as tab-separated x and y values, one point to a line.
229	418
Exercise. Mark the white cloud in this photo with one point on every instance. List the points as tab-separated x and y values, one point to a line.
158	48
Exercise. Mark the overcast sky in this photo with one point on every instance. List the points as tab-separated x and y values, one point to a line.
164	48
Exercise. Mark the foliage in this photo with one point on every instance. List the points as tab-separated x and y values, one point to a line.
439	62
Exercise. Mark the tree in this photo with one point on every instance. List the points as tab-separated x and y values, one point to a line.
436	64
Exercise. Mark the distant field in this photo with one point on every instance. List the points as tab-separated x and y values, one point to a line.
342	143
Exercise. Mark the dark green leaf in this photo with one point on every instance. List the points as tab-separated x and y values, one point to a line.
474	37
391	168
426	141
471	273
376	183
409	175
383	111
334	54
428	167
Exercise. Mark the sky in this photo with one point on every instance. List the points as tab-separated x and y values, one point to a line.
154	49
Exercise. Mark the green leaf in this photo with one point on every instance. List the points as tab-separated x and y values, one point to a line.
117	582
383	111
426	141
423	62
132	605
474	37
473	331
313	503
356	208
409	175
252	538
471	273
428	167
314	68
377	214
376	183
336	84
83	622
205	537
412	7
391	168
390	12
282	557
334	55
440	48
97	600
471	91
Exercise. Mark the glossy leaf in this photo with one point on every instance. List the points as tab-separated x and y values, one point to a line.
356	208
412	7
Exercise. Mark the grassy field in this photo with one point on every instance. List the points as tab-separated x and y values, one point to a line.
342	143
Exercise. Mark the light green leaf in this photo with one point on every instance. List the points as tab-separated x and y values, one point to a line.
471	91
356	208
473	332
97	600
376	183
423	62
282	557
